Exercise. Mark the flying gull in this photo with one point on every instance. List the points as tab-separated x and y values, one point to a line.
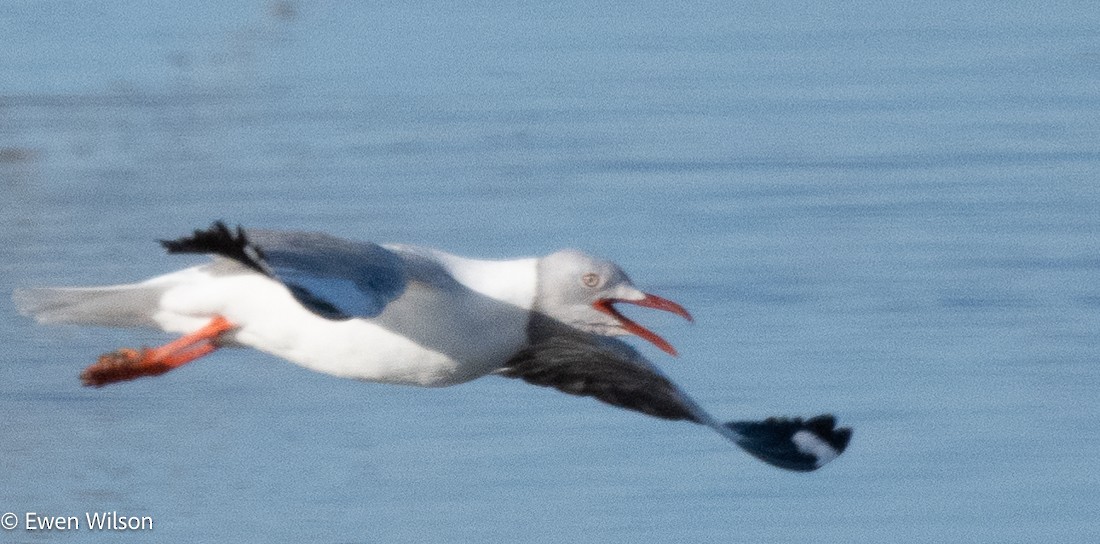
410	315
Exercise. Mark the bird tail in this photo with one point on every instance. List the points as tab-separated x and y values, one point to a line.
130	305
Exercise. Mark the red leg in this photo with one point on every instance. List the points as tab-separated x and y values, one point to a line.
128	364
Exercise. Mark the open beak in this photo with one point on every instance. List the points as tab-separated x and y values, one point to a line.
649	301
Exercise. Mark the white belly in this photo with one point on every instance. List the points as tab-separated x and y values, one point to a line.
428	336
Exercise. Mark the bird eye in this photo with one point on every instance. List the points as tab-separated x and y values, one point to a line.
590	279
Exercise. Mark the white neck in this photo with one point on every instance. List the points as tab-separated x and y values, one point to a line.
512	281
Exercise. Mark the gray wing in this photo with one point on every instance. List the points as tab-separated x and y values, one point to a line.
604	368
332	277
611	371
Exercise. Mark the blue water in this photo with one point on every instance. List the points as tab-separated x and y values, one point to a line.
890	212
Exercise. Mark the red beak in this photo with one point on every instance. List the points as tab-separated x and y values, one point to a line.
650	301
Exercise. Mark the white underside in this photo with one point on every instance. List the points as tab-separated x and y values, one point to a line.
428	336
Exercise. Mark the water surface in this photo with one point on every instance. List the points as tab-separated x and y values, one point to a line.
887	212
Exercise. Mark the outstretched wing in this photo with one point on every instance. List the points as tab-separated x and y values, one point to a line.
332	277
611	371
607	369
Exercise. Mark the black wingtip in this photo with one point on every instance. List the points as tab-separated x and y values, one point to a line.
793	443
218	239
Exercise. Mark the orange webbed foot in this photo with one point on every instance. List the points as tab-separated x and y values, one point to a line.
128	364
122	365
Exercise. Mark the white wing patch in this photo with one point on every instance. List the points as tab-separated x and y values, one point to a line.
809	444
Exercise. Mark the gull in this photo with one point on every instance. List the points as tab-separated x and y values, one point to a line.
401	314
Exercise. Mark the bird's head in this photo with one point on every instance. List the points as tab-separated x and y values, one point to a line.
581	291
